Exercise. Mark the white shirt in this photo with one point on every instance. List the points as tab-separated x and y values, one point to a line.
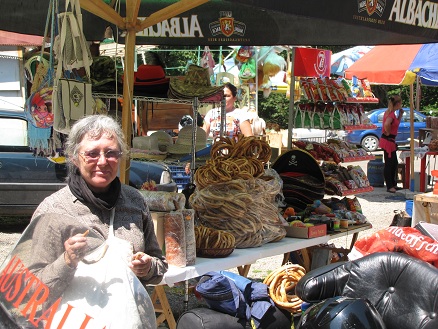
233	121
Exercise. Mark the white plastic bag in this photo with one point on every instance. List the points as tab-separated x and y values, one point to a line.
104	292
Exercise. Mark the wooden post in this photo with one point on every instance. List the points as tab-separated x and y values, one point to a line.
412	151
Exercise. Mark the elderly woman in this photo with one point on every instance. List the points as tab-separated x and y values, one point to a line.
94	201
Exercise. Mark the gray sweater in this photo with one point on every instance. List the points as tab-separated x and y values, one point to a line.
63	215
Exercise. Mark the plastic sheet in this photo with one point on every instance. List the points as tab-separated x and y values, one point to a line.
189	225
246	208
163	201
174	238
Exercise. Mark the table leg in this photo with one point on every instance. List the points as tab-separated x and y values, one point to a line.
353	240
423	174
407	172
306	259
244	270
285	258
161	305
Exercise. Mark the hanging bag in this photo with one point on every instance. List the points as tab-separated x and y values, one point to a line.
72	98
207	60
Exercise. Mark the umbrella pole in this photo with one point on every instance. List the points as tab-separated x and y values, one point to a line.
412	151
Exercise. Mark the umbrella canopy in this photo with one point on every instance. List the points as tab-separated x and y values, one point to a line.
344	59
398	65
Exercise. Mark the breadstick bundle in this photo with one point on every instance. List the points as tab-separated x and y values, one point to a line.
175	239
281	284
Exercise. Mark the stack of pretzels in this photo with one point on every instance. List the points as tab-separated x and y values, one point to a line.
231	160
233	194
209	238
281	284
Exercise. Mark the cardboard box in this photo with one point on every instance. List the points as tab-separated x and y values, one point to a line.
307	232
158	219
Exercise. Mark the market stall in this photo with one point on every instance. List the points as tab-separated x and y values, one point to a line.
357	30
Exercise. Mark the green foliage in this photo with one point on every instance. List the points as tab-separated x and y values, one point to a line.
274	109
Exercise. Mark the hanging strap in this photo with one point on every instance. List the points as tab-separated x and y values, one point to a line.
111	226
72	21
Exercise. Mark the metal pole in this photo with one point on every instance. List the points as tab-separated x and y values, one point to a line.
291	119
194	130
223	118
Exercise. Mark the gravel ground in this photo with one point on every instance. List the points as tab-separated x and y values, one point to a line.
378	206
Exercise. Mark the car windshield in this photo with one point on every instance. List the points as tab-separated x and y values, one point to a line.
14	132
380	117
417	118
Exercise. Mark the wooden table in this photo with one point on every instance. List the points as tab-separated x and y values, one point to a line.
425	208
240	259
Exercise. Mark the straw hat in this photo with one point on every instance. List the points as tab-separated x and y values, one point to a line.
183	144
146	147
164	140
196	83
149	143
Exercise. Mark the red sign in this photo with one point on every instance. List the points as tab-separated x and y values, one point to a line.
312	63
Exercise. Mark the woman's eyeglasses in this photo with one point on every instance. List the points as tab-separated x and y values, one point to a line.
95	155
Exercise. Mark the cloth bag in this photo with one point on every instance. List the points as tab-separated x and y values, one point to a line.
105	290
72	98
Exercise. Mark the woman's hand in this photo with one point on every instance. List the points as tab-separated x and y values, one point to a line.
400	113
75	248
141	264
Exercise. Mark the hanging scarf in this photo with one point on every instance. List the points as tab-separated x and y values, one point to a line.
80	190
39	139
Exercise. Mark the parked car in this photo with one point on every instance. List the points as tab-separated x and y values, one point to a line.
369	138
316	135
26	179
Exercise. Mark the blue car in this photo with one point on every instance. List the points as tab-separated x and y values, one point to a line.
369	138
26	179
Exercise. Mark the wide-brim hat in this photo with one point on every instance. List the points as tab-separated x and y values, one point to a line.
149	143
147	75
183	144
146	147
164	139
196	83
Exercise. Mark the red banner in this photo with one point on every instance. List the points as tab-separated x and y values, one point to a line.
312	63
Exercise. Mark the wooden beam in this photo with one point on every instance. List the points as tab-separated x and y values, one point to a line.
132	8
104	11
128	85
169	12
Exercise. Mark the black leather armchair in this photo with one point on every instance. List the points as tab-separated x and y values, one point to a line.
403	289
